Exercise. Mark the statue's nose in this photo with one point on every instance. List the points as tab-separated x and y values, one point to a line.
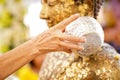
44	12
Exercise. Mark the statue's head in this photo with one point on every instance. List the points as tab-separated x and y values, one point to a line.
55	11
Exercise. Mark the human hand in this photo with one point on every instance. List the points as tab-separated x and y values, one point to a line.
55	40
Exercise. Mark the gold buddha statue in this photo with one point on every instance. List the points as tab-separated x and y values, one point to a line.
104	64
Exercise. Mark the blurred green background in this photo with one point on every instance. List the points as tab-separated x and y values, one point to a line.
12	30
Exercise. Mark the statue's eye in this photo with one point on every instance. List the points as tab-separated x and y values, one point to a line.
52	3
78	1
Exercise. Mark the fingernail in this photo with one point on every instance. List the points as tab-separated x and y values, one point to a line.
77	14
84	39
81	47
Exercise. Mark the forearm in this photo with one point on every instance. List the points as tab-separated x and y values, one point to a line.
51	40
16	58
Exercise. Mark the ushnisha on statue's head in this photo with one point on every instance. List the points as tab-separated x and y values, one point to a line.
54	11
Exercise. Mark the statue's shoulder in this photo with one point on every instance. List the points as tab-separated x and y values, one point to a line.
52	61
108	51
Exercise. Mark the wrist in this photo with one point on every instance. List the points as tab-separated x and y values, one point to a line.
38	50
33	50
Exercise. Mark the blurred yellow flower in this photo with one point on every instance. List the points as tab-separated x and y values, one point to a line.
26	73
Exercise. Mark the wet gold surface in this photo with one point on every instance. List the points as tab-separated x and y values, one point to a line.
101	66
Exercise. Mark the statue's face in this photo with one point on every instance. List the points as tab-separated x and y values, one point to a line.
55	11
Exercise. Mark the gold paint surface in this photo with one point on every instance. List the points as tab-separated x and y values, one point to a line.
100	66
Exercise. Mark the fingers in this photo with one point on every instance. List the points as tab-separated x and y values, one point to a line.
71	45
65	22
72	38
